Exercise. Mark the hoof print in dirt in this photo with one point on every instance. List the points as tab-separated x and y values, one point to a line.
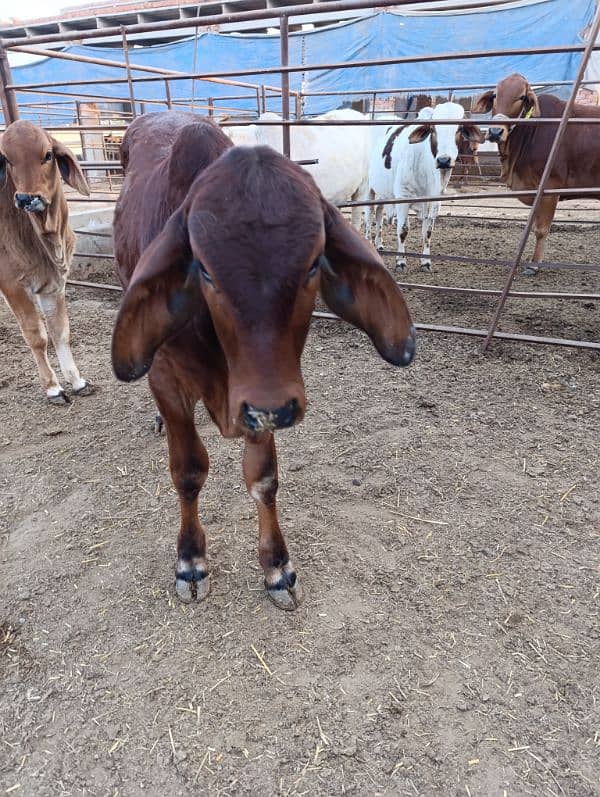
286	593
192	585
60	400
87	390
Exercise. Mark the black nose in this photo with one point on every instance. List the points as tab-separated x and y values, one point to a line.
444	163
32	202
257	420
495	134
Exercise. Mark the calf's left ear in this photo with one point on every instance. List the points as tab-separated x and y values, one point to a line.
161	296
356	285
69	169
531	101
420	134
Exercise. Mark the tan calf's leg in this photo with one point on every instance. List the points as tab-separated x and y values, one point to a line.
260	474
541	228
54	308
34	332
188	461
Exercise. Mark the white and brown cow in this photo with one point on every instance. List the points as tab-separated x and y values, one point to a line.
36	246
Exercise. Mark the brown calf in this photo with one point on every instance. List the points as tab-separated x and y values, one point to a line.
36	245
219	304
524	149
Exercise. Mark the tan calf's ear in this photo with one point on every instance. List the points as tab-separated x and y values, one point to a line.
532	102
163	292
356	285
69	169
484	103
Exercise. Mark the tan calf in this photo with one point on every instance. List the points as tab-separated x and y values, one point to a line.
36	246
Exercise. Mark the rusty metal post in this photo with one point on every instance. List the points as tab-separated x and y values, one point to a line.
263	98
298	105
7	96
129	80
258	101
560	133
168	95
285	82
211	107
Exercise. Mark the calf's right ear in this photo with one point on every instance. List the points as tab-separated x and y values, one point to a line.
163	292
484	103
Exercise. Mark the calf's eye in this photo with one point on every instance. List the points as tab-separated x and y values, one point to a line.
204	272
48	156
315	266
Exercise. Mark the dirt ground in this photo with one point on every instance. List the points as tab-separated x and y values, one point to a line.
445	523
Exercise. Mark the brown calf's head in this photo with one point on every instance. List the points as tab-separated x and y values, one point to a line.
249	248
513	99
32	163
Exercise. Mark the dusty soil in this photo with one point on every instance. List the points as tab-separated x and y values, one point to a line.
444	520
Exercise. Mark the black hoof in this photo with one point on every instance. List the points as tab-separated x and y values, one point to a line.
192	585
86	390
426	267
158	425
400	267
286	593
530	270
60	400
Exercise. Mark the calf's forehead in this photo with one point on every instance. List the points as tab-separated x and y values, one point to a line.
511	88
22	139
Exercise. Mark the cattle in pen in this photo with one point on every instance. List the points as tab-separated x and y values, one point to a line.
221	272
36	247
341	152
417	161
524	150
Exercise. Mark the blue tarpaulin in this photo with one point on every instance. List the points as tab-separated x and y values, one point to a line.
382	35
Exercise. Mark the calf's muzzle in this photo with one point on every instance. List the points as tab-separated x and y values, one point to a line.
267	420
444	162
33	203
495	134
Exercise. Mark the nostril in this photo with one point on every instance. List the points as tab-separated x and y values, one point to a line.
22	200
259	420
444	163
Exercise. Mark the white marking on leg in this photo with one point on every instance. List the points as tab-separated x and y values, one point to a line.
53	307
260	488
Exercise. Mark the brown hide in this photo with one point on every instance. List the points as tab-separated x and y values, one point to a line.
525	152
220	291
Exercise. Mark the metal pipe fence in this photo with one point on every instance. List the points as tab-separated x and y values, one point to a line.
109	123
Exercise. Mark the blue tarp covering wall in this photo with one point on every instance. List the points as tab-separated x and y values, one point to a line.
382	35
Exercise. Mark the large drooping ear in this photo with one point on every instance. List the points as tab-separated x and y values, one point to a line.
531	102
356	285
69	169
162	294
471	133
420	134
2	170
484	103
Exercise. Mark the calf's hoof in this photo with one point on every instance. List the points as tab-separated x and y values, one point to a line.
379	246
426	266
86	390
400	265
286	593
60	399
158	426
192	584
530	270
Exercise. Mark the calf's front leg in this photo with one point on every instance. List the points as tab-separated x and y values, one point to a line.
54	308
260	474
32	327
188	461
541	227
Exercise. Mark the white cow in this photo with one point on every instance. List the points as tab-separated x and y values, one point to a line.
421	160
342	153
382	171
